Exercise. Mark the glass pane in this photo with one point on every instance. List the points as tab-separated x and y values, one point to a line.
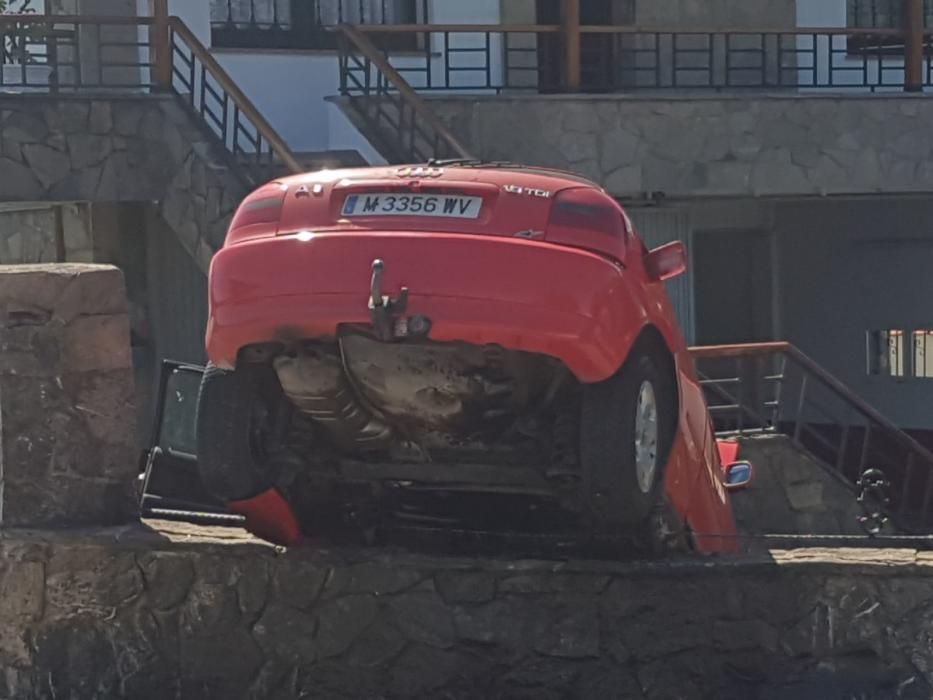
179	410
923	354
886	353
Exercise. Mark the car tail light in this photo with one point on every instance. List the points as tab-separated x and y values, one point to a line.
587	218
258	214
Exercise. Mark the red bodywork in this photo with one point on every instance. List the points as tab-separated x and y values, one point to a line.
525	275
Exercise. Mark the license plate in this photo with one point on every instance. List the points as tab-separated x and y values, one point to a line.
438	205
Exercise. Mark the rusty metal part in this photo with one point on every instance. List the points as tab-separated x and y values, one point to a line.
314	381
458	389
383	309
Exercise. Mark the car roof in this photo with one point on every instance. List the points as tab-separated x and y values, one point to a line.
493	172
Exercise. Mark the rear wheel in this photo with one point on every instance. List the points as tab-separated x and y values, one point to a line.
239	419
626	432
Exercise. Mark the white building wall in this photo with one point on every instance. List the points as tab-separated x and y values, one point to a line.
290	88
848	71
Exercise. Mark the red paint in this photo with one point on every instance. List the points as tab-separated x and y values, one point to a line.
270	517
521	276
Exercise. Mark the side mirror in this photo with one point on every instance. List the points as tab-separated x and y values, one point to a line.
738	476
667	261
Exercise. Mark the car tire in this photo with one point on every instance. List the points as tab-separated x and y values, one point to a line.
236	431
622	453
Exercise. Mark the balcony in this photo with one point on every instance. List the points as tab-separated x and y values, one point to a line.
493	59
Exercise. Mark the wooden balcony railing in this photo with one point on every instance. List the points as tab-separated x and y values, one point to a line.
589	58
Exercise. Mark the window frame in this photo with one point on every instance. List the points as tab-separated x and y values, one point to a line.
880	46
303	33
879	353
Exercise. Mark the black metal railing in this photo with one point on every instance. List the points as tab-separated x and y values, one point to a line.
67	53
775	388
391	111
305	24
495	58
225	111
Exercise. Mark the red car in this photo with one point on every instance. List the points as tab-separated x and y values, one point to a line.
455	328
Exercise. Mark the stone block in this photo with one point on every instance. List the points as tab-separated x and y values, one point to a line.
806	495
48	164
67	453
18	183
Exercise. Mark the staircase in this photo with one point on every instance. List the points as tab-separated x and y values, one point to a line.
775	389
382	105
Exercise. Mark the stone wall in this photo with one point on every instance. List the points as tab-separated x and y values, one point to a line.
133	148
792	494
66	397
742	145
30	234
179	613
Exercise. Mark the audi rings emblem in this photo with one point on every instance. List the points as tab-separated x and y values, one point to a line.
420	171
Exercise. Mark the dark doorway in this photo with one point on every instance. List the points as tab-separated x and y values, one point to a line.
597	52
733	287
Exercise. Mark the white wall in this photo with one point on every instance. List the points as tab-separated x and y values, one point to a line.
832	13
290	88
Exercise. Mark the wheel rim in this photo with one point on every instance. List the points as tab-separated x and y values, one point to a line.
646	437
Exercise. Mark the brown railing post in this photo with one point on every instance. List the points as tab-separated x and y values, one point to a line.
161	45
913	45
570	22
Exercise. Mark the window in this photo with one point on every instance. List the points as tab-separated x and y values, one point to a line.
923	354
880	14
886	353
177	430
306	24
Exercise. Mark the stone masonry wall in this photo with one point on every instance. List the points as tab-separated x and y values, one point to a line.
134	148
177	613
740	145
67	454
792	494
28	235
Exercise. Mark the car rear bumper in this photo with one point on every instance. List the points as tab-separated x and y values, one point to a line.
522	295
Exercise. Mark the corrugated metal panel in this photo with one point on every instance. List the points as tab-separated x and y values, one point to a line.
178	296
657	227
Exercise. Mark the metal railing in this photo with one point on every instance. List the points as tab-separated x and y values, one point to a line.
282	24
495	58
66	53
63	53
776	388
219	104
390	109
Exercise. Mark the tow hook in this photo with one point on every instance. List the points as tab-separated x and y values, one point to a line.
383	308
